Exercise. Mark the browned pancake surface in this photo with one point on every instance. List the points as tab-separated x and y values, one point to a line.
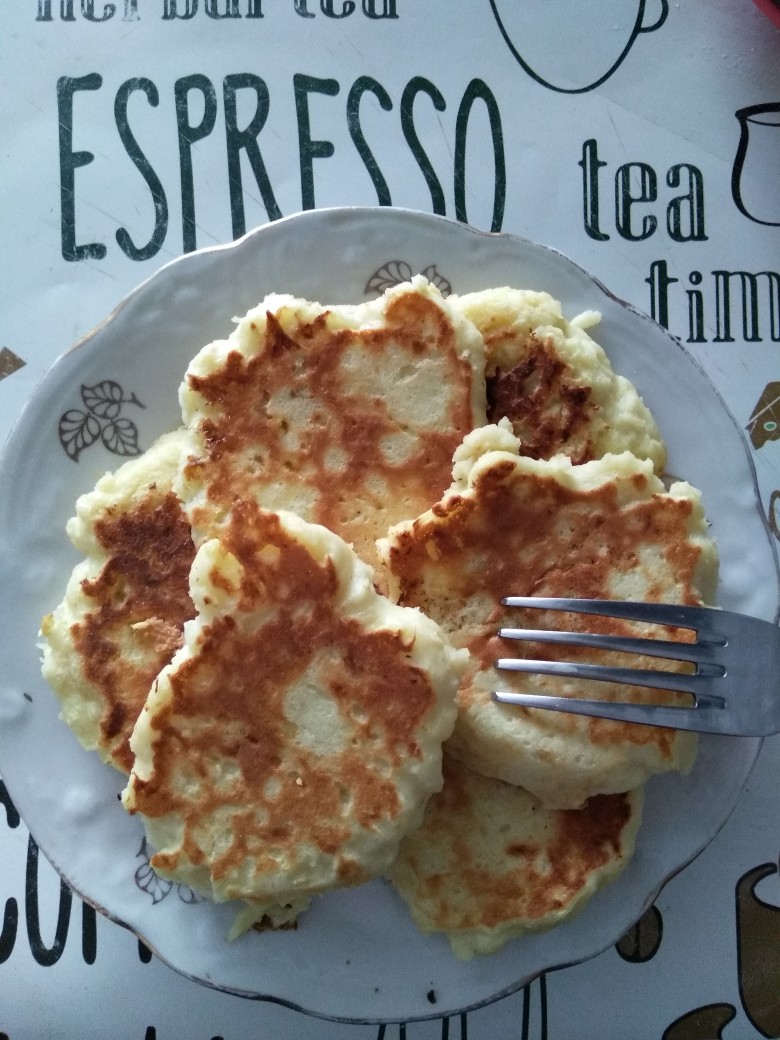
548	406
489	862
525	528
140	597
350	427
554	382
284	732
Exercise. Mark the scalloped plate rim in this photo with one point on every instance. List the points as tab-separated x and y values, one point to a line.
190	262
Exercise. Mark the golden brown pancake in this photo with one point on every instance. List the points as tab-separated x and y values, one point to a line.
554	382
347	416
296	736
490	863
510	525
125	606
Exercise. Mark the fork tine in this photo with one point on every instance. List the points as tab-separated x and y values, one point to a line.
735	685
656	613
706	717
684	682
628	644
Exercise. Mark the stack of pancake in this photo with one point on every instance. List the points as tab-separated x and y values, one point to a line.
285	624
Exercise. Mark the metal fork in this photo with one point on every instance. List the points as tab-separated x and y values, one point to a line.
735	686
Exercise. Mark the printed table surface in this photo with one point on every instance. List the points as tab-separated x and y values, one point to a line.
639	137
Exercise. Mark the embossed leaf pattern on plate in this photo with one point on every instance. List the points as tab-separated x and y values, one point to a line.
394	272
158	888
100	420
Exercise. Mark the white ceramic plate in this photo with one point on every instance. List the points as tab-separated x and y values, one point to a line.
356	956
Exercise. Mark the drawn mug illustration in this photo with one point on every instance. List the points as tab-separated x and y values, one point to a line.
758	950
773	513
755	186
9	362
703	1023
589	42
764	422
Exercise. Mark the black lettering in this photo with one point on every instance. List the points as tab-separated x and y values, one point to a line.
685	213
371	9
144	167
749	297
479	90
774	305
420	85
695	310
309	149
188	135
246	141
328	8
9	930
723	307
302	9
88	933
88	10
659	281
171	9
44	955
11	815
358	89
591	164
625	200
231	9
70	161
10	924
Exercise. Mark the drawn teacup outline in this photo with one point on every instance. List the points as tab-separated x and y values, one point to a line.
637	29
764	115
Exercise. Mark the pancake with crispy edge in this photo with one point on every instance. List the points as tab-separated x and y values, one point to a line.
125	605
296	736
345	415
510	525
490	863
554	382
